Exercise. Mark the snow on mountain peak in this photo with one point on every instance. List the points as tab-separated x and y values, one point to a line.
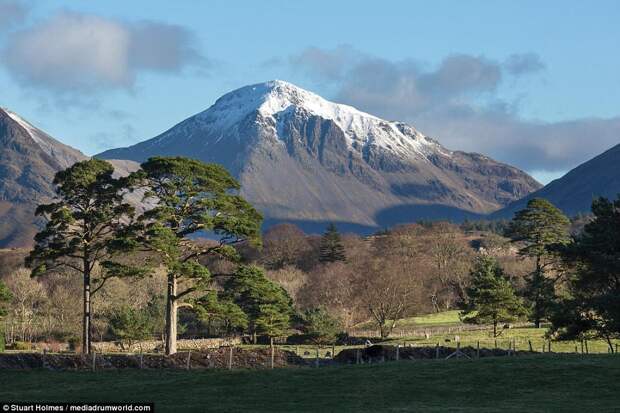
31	130
64	155
276	97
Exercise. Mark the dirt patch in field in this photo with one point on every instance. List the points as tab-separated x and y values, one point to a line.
206	359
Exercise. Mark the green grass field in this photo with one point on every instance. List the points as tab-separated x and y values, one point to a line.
541	383
445	318
521	336
438	325
434	319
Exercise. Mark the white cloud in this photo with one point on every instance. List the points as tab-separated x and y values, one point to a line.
457	104
76	53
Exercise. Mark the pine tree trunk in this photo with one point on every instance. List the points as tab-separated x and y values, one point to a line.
538	285
171	316
86	345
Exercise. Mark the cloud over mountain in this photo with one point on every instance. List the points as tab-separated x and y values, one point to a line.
90	52
457	101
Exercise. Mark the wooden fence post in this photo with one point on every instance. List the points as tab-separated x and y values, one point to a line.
333	351
230	357
189	359
94	366
316	361
357	356
478	349
549	346
530	344
141	361
437	351
272	354
397	352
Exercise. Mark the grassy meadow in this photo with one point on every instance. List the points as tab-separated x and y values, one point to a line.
541	383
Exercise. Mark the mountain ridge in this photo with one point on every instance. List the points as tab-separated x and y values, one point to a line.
302	158
574	192
29	158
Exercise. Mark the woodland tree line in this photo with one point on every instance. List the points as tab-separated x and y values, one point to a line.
194	264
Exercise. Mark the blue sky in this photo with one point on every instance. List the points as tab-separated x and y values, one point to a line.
531	83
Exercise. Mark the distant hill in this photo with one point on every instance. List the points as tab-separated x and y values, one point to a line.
303	159
573	193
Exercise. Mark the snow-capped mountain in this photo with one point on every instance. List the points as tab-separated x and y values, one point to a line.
29	158
302	158
62	154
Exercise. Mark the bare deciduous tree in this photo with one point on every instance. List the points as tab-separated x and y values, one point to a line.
292	279
451	257
284	245
26	308
388	295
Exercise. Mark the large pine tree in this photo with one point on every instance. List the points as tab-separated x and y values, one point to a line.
190	198
540	228
331	248
593	305
491	296
86	227
260	299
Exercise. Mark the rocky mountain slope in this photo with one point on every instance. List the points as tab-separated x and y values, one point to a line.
573	193
303	159
29	158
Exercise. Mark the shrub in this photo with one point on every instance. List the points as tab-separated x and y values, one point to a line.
74	343
22	345
320	326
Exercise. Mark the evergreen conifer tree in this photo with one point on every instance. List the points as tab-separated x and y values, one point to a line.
5	298
331	248
540	228
86	227
491	296
191	197
592	308
259	298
